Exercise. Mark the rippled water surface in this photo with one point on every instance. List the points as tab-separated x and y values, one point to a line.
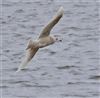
66	69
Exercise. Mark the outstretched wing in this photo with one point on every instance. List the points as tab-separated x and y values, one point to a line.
29	55
50	25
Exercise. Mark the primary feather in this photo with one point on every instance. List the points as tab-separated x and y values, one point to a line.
51	24
29	55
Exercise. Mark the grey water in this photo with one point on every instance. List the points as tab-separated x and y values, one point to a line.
68	69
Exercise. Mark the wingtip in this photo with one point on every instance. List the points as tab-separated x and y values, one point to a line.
60	11
61	8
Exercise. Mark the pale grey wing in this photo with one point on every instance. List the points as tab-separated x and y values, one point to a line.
29	55
51	24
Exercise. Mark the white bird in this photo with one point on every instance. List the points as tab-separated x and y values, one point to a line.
44	40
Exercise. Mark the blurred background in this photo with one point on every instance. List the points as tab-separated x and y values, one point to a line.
68	69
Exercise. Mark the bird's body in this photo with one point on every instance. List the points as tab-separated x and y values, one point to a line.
41	42
44	40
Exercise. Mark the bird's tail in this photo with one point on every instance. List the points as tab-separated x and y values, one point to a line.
30	44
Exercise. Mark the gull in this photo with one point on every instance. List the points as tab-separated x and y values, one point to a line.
44	40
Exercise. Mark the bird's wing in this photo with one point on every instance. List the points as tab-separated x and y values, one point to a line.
50	25
29	55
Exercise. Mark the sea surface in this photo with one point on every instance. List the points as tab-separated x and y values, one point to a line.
67	69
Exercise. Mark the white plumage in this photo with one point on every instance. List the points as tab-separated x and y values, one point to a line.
44	40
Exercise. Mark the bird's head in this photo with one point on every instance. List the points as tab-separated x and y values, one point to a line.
57	38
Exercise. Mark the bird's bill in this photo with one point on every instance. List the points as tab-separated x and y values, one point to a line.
57	38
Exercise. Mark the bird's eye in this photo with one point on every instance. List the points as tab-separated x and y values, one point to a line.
56	38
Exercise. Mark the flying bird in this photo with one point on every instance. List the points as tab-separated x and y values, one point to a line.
44	40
